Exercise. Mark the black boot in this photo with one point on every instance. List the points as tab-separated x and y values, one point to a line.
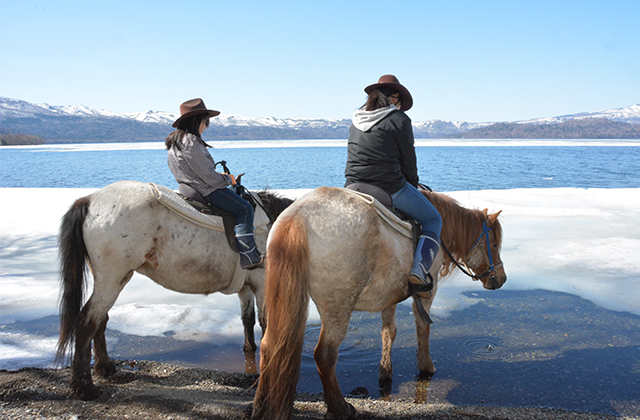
420	280
250	257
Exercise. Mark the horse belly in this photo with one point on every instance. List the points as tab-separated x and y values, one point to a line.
190	259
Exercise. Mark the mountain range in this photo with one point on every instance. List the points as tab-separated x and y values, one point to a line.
80	124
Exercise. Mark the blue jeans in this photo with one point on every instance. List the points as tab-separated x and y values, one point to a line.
227	200
412	202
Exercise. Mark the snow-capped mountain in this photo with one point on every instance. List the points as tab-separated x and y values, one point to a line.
14	108
81	123
629	114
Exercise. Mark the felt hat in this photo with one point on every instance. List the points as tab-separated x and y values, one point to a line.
194	107
391	81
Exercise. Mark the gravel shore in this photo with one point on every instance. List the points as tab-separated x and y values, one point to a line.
152	390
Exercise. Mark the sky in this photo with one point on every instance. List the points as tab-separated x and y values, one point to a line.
476	61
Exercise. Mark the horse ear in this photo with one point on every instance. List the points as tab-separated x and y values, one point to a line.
493	217
485	212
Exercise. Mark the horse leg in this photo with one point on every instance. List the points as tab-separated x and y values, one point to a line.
388	334
248	318
103	365
326	356
92	319
425	365
262	320
81	382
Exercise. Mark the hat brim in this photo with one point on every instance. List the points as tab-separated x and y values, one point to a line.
405	96
211	112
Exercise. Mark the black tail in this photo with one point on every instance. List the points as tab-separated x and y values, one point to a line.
73	257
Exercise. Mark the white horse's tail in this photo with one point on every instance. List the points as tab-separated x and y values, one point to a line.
286	302
73	257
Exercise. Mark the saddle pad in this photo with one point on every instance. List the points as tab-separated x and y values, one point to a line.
171	200
385	214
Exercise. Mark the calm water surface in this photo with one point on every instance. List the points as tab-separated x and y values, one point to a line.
441	167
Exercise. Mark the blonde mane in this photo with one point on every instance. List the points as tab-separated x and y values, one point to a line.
459	228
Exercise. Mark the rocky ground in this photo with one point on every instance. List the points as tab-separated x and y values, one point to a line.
152	390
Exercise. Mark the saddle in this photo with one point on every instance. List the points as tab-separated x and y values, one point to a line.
197	201
384	198
192	206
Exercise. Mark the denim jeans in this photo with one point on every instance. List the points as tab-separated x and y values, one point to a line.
412	202
227	200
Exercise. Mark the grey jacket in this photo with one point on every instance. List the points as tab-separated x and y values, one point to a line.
194	166
383	155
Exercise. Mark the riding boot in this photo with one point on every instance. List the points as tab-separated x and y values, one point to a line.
250	257
420	280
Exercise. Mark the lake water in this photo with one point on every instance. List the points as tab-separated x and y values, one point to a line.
564	332
277	165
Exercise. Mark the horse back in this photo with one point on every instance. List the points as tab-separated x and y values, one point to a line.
353	254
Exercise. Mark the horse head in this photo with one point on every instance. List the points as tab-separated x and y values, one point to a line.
484	256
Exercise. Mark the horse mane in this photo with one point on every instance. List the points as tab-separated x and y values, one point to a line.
460	228
273	204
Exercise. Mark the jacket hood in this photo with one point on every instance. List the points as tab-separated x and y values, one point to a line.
365	120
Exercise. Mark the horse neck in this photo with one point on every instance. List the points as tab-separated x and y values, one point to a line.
461	227
273	204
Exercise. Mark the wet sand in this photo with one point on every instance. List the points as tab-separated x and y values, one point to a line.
512	349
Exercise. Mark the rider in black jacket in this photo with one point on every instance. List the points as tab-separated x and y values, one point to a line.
381	152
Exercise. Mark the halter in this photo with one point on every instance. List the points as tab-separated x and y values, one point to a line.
488	258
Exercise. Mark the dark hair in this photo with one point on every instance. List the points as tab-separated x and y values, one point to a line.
188	125
379	98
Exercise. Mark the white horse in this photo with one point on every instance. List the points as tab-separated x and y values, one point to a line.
122	229
332	246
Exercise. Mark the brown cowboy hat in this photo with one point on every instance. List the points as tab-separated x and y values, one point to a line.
194	107
391	81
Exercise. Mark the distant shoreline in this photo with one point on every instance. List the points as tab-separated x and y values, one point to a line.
419	142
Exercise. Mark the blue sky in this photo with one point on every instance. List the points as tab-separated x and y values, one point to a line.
474	61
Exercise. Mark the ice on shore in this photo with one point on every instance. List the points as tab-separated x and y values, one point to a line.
579	241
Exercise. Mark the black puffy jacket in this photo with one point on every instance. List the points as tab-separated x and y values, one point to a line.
384	155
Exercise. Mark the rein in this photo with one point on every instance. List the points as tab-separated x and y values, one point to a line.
487	254
242	191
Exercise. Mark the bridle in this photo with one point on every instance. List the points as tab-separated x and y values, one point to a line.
478	246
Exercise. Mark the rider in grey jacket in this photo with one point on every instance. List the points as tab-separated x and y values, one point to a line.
192	165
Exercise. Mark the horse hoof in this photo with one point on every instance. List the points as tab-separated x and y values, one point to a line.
249	348
87	393
385	385
347	413
105	370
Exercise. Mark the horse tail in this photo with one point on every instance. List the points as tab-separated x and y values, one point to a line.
73	267
286	302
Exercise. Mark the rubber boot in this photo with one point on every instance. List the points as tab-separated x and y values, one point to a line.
420	280
250	257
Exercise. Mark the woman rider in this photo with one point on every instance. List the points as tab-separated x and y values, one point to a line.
381	153
193	167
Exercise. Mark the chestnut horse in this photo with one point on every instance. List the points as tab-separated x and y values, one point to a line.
123	228
331	246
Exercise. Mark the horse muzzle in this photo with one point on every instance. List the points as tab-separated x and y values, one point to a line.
494	280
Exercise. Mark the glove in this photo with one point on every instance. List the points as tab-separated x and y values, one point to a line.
233	178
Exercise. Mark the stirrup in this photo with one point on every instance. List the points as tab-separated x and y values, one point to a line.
419	286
